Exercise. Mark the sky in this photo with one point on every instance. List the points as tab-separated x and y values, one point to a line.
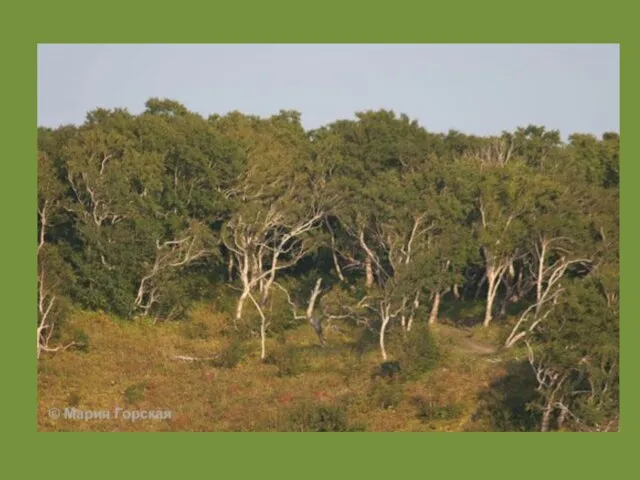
479	89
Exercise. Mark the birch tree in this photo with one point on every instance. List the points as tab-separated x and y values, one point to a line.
54	277
574	356
277	208
502	202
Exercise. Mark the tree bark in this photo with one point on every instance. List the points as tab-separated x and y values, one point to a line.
416	305
369	272
480	284
562	417
540	278
491	295
494	274
336	264
546	418
383	327
230	268
263	329
239	307
433	316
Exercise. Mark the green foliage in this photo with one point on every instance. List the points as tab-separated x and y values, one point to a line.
232	353
80	338
428	411
417	352
366	340
135	393
289	359
387	370
197	330
385	395
144	215
506	405
312	417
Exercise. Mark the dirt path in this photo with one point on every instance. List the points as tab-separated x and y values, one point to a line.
464	342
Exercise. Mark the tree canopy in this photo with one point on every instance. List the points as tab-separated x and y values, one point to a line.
143	215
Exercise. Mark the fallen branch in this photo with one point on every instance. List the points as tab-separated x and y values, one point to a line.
193	359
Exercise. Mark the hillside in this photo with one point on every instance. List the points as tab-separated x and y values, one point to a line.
139	366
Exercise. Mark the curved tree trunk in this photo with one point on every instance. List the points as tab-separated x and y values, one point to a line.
383	327
491	295
239	307
433	316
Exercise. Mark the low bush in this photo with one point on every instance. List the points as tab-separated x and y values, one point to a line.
232	353
135	393
428	410
289	360
312	417
417	352
385	395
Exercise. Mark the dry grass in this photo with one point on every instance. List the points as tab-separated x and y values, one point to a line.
131	365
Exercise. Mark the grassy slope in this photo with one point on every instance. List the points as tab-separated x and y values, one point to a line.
131	365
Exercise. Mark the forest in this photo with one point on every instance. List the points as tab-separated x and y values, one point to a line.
369	275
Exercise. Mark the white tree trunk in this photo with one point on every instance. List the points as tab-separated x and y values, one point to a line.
240	306
368	272
336	264
385	316
433	316
548	289
541	263
494	274
230	268
263	329
562	417
546	418
383	351
416	305
263	339
491	295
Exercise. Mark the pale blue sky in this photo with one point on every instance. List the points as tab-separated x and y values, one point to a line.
479	89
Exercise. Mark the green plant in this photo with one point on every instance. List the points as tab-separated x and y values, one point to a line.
288	359
418	352
232	354
385	395
310	417
428	410
134	393
197	330
74	399
387	370
80	340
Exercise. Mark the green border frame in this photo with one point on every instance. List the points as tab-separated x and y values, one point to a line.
286	21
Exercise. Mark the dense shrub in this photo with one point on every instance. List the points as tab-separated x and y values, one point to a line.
196	330
289	360
428	410
385	394
80	340
232	353
311	417
417	352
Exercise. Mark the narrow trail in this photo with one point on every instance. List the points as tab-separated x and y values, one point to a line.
464	343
